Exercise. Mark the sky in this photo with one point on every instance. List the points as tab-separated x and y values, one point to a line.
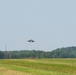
51	23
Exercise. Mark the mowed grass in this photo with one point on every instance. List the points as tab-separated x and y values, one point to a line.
38	67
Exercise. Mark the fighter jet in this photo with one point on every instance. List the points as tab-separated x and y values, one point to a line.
31	40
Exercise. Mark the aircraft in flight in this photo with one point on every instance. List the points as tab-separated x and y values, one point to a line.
30	41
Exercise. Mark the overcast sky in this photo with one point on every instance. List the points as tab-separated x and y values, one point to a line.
51	23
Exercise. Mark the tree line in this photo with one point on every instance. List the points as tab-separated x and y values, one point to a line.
68	52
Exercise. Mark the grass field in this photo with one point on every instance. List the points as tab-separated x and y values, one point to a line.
38	67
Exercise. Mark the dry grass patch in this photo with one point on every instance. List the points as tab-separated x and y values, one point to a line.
4	71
